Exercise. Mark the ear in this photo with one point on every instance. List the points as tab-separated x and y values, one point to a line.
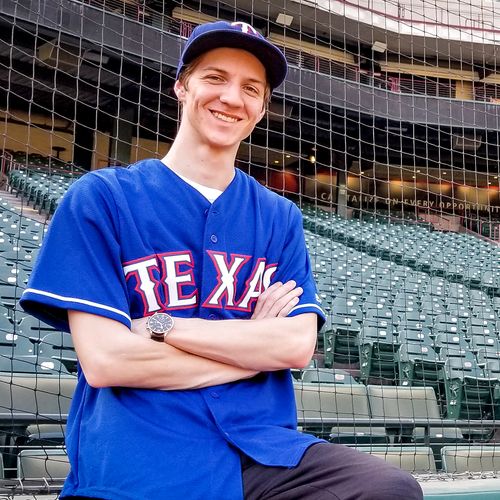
263	112
180	90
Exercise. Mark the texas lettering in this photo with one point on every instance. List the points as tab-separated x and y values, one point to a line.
167	280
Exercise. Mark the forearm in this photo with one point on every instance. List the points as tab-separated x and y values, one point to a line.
263	345
110	355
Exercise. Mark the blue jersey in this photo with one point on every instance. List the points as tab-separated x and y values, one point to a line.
127	242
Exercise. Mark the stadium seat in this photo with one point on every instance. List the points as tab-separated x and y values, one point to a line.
451	345
406	403
469	393
377	347
486	354
49	464
10	294
327	376
315	402
415	336
485	341
447	323
358	434
416	459
419	366
470	458
59	345
42	435
341	331
32	396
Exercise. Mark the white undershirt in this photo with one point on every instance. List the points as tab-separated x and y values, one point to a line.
211	194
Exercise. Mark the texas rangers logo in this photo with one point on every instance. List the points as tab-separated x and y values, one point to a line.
245	28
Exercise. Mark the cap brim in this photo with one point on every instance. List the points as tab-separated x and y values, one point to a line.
270	56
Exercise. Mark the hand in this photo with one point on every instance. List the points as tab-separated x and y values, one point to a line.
277	301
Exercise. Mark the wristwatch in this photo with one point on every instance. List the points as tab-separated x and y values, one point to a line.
159	325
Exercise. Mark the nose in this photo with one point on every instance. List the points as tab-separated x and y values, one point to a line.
231	95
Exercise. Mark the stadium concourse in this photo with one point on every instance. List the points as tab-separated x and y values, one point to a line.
419	390
386	134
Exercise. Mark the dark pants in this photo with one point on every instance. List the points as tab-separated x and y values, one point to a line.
330	472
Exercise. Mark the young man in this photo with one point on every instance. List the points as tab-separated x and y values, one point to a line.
156	270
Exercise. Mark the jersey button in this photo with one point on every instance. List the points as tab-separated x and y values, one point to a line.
213	238
215	395
212	316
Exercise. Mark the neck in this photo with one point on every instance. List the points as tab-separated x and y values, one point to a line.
201	163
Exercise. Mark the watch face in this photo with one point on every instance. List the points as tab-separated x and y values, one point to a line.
160	323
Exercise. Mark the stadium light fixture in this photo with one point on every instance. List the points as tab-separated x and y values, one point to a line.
284	19
379	47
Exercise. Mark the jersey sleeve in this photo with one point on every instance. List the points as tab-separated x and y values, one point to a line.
294	264
79	265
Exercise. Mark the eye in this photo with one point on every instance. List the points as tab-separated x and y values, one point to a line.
252	90
214	78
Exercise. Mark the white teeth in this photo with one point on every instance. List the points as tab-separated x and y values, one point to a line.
225	118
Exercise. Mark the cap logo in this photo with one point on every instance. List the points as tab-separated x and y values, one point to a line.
245	28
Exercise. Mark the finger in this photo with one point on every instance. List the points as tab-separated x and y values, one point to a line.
277	294
273	309
284	301
263	296
286	310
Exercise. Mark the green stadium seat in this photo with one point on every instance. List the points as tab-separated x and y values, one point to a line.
415	336
469	393
432	305
488	341
59	345
486	354
32	328
476	326
372	302
492	369
471	458
377	347
450	345
445	323
341	331
416	320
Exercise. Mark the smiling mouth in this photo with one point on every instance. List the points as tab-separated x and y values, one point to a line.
225	118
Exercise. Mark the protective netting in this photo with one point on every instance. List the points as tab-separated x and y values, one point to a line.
385	133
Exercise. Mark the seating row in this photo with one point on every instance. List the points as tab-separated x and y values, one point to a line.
41	187
318	404
457	256
52	465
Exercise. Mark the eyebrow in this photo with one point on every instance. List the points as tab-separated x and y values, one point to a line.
224	72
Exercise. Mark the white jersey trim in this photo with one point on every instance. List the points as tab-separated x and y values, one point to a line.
308	305
78	301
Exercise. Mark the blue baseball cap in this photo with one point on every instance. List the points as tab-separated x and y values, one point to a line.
236	35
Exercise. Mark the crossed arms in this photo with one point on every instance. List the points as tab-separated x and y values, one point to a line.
197	353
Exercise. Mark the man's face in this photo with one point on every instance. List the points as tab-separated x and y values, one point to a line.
223	98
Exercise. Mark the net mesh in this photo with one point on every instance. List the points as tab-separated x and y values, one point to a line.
386	135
